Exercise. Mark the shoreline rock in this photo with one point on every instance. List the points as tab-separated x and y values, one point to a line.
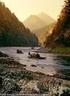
3	54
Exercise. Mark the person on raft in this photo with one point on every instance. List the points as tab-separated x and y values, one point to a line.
34	55
37	55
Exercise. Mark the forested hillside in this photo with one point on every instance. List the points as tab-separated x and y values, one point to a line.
61	31
12	31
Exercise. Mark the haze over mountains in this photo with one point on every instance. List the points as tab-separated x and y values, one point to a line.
35	22
15	33
40	25
46	18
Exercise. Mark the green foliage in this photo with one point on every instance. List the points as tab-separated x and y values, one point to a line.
60	50
10	86
20	75
12	31
43	87
66	92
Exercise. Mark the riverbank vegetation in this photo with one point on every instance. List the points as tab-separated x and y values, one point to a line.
60	50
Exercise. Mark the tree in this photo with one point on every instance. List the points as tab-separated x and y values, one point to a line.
60	32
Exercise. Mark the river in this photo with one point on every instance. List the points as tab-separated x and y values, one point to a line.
51	65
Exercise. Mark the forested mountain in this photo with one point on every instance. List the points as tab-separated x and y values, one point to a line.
12	31
61	31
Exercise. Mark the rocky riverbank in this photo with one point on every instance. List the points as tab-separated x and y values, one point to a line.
15	79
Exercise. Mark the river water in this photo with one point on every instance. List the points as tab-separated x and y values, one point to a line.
51	65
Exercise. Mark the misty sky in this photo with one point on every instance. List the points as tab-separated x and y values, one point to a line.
25	8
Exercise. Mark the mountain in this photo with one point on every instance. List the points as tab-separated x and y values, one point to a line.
12	31
47	19
43	33
34	22
40	25
61	33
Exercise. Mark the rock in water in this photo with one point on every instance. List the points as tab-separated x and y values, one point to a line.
3	55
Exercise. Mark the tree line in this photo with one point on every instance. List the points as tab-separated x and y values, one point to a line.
61	31
12	31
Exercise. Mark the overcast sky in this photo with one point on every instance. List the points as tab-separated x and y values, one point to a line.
24	8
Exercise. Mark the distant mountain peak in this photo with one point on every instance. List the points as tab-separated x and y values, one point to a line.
46	18
35	22
34	17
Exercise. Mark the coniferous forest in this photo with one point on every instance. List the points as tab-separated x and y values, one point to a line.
12	31
61	32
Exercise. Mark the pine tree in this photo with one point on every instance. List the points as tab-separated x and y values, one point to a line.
60	34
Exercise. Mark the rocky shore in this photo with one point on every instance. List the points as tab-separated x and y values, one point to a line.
15	79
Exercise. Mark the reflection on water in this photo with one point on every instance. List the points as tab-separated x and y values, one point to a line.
50	65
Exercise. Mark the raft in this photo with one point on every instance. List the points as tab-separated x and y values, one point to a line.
35	56
19	51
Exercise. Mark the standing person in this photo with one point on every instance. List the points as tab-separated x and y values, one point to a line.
0	82
29	53
37	55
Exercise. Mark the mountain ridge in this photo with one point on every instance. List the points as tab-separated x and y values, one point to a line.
40	25
33	22
45	17
39	21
